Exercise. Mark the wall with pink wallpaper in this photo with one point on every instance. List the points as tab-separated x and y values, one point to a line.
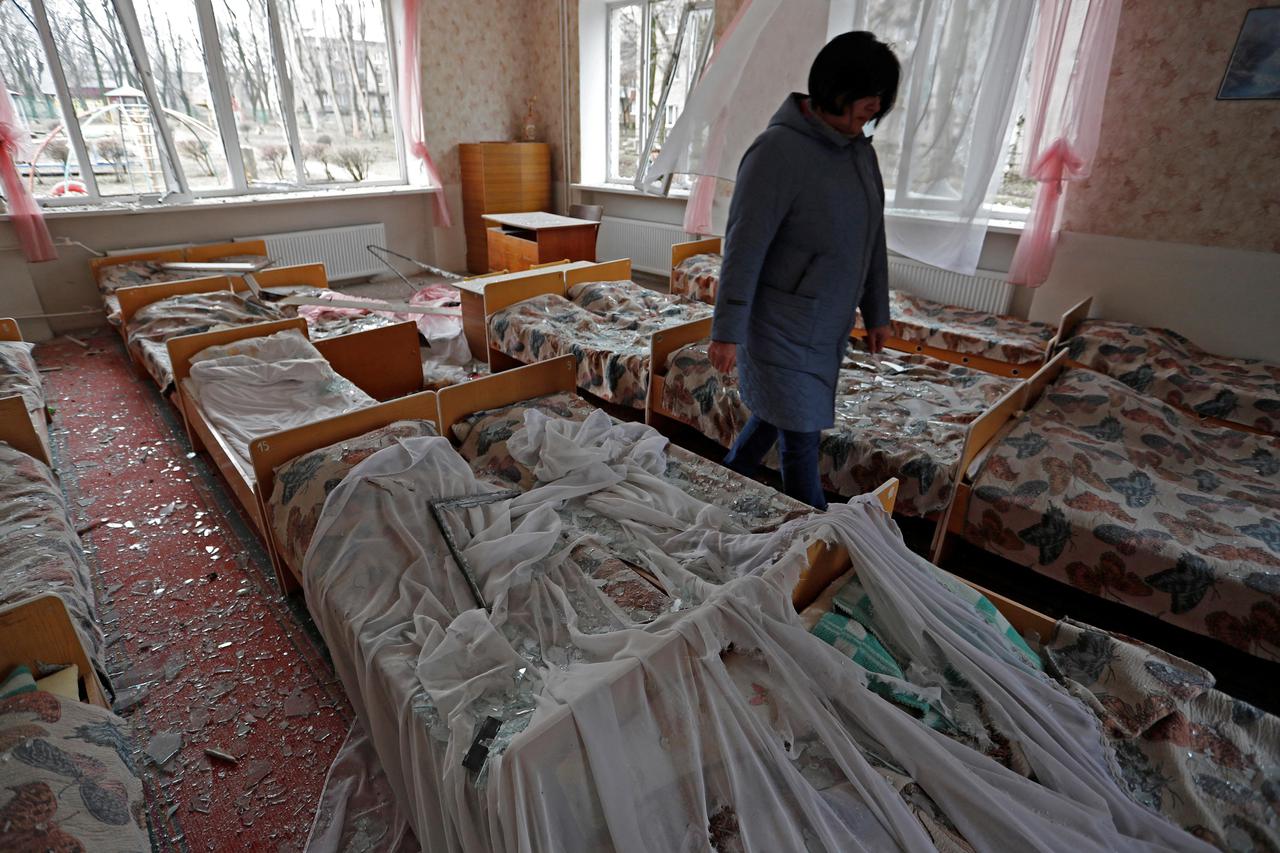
1176	165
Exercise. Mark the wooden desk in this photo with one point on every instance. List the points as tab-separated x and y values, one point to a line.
517	241
471	295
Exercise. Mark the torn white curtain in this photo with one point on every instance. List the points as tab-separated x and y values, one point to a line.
940	149
649	737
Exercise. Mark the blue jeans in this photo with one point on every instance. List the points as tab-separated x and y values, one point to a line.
799	451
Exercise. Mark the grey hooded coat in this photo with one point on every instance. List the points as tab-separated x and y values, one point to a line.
804	248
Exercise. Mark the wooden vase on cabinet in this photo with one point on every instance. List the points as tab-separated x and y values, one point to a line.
500	177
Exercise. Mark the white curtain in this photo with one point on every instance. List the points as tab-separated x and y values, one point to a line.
940	149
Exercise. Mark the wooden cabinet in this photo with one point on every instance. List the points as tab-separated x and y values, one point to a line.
500	177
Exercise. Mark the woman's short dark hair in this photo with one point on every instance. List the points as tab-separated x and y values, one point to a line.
851	66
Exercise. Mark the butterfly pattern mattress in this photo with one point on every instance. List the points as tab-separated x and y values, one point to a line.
1171	368
1126	498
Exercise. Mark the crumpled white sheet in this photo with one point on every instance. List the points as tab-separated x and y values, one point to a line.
640	737
259	386
357	811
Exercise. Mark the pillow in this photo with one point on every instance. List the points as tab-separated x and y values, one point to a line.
65	683
484	435
18	681
70	774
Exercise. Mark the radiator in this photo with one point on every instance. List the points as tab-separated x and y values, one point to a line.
984	291
341	250
647	244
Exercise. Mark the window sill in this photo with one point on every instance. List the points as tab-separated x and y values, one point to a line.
232	201
627	189
995	225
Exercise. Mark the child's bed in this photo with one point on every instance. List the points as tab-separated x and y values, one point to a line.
21	389
113	272
151	314
238	384
40	552
595	313
597	703
295	469
1087	481
903	416
995	343
1242	393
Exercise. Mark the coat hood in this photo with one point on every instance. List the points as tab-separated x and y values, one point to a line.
793	116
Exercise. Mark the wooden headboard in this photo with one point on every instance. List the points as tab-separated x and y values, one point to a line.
502	389
607	271
133	299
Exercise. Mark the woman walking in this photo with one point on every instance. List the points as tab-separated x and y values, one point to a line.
804	249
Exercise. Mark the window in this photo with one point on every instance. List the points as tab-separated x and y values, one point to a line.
238	96
656	50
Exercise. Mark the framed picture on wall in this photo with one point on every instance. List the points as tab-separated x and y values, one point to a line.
1254	69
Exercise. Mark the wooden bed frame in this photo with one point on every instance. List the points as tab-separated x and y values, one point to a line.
271	451
383	362
40	630
503	294
681	252
1068	320
97	265
981	433
20	431
213	251
295	275
13	412
134	299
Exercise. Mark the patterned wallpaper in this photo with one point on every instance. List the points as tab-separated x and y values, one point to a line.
1175	164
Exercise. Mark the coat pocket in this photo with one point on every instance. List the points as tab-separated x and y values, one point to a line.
781	327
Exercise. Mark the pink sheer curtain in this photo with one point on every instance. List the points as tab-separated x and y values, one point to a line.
1070	66
28	221
411	106
697	211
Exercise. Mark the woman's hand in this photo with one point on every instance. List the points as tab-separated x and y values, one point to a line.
876	338
724	356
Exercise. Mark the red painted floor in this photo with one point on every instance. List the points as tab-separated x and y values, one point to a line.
202	645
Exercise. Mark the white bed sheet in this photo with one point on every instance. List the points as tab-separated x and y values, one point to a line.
639	737
259	386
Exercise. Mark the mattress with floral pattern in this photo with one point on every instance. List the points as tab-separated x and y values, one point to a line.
19	377
303	483
965	330
1167	366
134	273
1124	497
697	277
39	550
69	777
606	325
903	416
189	314
1203	759
484	436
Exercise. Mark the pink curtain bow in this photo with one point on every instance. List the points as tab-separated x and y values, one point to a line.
1070	68
28	220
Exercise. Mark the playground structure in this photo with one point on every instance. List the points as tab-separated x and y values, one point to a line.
127	120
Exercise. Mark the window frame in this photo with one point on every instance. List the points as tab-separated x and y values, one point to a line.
643	119
178	190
